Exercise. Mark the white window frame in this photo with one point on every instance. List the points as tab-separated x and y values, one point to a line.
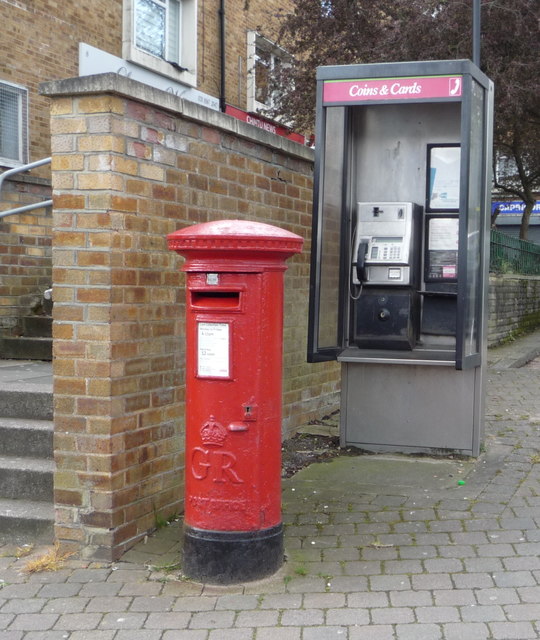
255	41
181	67
21	124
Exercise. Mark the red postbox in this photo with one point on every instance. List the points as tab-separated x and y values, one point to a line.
234	332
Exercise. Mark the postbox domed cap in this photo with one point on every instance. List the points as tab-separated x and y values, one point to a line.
224	239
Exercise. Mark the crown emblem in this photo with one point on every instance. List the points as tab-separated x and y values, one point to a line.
213	433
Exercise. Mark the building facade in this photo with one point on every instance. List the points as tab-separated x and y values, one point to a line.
212	52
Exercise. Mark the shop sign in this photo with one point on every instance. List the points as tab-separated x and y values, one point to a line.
515	207
265	125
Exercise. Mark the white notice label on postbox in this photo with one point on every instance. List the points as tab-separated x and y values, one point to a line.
213	349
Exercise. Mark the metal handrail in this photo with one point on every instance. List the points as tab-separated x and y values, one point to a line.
21	169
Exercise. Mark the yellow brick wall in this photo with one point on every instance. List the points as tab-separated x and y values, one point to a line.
40	42
241	16
119	296
25	252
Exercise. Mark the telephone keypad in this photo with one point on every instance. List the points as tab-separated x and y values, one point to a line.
386	253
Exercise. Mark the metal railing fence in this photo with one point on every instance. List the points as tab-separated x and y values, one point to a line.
512	255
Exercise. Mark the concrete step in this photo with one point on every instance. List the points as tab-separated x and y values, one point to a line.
36	404
26	479
23	348
37	326
26	438
26	522
26	452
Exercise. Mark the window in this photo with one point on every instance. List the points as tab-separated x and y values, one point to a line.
264	59
13	125
161	35
505	168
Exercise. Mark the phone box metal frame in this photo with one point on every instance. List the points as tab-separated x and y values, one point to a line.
417	133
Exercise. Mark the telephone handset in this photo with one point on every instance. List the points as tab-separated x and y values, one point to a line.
360	264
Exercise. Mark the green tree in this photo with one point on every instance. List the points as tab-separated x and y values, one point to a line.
330	32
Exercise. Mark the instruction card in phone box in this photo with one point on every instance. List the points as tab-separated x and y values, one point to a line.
213	353
443	234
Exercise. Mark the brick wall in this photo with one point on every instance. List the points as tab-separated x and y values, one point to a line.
514	306
40	39
130	165
25	251
40	42
240	17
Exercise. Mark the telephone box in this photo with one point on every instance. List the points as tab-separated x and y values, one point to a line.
400	248
234	334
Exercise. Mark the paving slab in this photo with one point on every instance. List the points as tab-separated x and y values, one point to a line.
403	475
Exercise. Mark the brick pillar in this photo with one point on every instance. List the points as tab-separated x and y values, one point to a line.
117	363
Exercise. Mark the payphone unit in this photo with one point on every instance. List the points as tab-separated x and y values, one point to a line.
385	273
385	244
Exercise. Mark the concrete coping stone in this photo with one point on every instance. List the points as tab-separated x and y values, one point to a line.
112	83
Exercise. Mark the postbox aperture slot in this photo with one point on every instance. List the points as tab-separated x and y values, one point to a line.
215	300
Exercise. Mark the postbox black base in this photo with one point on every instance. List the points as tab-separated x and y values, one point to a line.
229	557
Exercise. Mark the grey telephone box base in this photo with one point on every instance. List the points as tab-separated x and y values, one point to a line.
412	408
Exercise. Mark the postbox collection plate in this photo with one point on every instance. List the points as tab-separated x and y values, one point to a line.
213	349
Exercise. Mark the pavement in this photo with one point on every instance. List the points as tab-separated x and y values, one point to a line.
377	547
